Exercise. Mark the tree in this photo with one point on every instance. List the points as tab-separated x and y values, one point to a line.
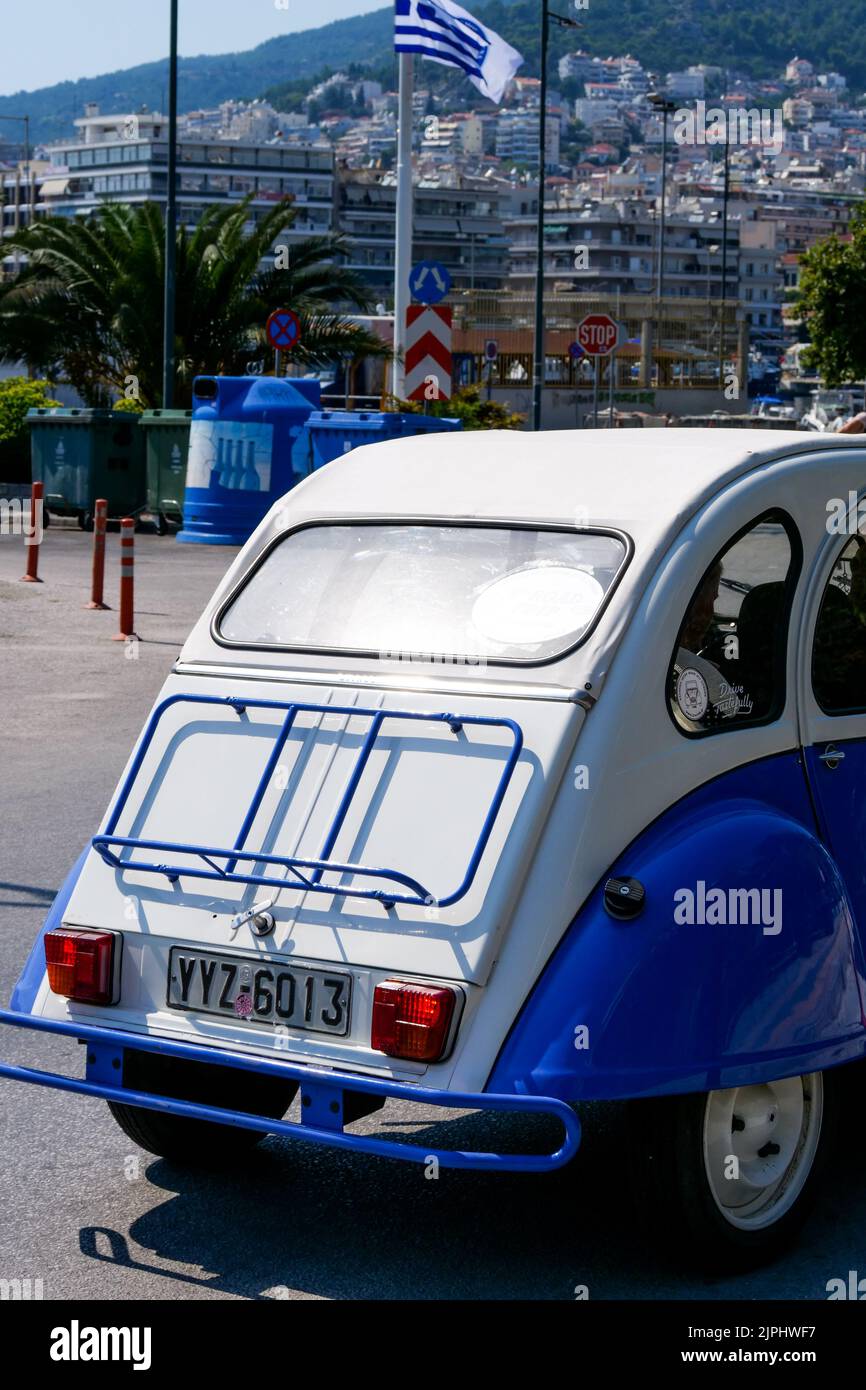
833	303
87	306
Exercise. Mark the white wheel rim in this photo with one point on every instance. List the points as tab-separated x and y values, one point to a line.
759	1146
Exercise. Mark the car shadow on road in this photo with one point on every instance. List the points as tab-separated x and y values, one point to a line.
294	1219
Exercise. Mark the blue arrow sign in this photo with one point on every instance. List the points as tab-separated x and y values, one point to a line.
429	282
575	350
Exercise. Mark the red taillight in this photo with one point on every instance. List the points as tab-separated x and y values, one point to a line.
411	1021
80	964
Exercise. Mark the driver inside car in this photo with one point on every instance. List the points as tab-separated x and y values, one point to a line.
703	689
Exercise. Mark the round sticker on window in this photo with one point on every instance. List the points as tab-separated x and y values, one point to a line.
537	604
692	694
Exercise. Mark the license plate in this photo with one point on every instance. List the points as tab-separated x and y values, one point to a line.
292	996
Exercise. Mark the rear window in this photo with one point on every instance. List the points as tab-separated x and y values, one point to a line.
427	592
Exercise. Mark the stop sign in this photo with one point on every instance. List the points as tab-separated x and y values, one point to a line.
598	334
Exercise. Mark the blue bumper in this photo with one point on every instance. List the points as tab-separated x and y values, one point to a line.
321	1097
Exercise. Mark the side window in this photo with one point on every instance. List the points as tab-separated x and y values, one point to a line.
728	666
839	649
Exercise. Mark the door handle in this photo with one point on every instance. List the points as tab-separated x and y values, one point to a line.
831	757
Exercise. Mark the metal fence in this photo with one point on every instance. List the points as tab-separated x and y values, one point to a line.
689	344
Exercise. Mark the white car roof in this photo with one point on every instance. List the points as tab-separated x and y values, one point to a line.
641	479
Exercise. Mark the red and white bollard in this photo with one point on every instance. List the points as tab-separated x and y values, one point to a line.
100	516
31	575
127	564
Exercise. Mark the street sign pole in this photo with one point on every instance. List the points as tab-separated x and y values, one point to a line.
595	392
612	370
277	362
491	357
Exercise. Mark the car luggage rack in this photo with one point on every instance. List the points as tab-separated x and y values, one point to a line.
302	873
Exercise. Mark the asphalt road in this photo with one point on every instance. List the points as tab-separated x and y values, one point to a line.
94	1218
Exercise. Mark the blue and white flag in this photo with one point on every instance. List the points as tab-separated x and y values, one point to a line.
441	30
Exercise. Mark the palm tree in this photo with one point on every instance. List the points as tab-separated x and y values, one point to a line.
87	304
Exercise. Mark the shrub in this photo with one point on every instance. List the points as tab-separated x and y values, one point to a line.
18	395
467	405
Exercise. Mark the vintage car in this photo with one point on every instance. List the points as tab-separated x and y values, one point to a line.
503	773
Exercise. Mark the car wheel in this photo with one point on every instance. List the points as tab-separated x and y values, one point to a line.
199	1142
728	1177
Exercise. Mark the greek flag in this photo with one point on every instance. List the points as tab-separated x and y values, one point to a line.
441	30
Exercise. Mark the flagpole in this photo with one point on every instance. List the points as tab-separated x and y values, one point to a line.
403	245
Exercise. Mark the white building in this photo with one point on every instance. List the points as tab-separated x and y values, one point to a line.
517	137
591	112
685	86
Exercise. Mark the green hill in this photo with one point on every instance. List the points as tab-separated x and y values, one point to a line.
753	36
205	81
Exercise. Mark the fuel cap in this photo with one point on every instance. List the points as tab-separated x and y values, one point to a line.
624	897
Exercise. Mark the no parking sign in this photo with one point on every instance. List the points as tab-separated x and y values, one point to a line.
283	330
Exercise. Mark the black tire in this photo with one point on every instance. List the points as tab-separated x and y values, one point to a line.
85	521
161	523
199	1142
676	1205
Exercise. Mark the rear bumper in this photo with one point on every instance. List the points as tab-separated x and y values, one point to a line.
321	1097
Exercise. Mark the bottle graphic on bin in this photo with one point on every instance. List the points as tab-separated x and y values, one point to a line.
250	478
231	472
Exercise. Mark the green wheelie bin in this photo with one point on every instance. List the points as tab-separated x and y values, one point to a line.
80	455
166	434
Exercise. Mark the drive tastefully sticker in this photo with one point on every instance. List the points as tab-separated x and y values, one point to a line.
692	694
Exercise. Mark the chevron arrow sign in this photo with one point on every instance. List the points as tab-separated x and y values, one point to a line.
428	353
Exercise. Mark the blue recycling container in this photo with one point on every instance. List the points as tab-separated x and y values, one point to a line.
331	433
244	452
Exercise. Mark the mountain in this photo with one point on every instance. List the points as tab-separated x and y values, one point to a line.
204	81
752	36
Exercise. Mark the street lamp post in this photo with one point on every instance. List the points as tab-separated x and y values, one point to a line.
725	195
712	250
538	362
665	106
168	365
538	358
25	121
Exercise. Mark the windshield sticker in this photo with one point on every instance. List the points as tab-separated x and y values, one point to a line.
693	697
732	700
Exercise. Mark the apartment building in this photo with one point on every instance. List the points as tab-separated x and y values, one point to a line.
517	137
611	248
459	223
124	158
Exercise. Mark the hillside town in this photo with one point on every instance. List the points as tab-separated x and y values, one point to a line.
755	172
